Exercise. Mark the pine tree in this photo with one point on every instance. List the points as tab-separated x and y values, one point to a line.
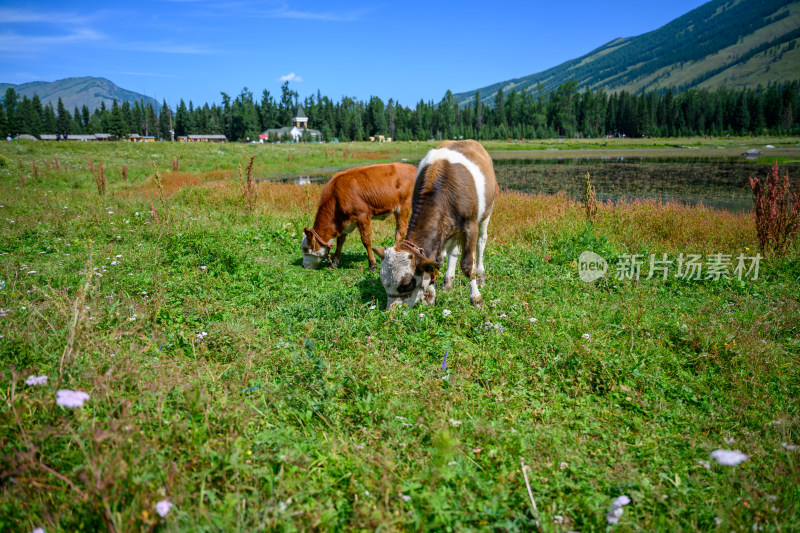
10	104
49	119
64	118
164	121
119	127
182	120
85	117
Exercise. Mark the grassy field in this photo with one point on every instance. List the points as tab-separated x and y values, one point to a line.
253	395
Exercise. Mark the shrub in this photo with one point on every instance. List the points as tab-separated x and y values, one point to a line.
777	212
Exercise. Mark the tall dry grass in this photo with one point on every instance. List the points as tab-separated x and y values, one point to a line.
518	217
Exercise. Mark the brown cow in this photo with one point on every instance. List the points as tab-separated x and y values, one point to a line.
453	199
351	199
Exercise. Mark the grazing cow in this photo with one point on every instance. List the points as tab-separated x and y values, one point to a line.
453	198
351	199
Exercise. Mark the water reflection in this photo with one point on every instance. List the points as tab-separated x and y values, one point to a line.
716	182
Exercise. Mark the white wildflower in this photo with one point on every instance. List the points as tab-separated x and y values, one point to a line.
406	498
616	509
729	457
33	381
455	423
790	447
163	507
71	398
446	312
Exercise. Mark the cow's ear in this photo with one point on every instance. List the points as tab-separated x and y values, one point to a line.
380	252
309	236
427	266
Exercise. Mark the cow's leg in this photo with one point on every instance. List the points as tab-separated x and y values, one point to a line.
366	239
468	263
452	249
339	244
401	224
483	236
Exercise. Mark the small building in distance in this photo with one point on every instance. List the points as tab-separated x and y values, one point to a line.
295	131
202	139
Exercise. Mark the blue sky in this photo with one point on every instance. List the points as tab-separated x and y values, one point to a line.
193	49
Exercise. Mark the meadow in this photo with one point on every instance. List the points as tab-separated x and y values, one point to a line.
229	389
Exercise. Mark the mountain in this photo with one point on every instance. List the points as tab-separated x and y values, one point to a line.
75	92
724	43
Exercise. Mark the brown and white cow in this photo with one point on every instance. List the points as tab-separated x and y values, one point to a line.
351	199
453	198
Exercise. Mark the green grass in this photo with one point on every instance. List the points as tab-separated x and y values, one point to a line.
304	409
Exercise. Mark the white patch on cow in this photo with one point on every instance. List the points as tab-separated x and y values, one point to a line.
483	235
453	158
312	259
452	250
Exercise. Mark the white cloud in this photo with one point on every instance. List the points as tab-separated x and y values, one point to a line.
287	13
148	74
13	42
166	48
291	77
25	16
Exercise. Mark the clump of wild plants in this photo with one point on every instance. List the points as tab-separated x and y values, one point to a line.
248	186
777	212
160	186
100	179
589	198
124	172
176	163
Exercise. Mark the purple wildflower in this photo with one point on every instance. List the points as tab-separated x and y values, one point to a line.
71	398
32	380
163	507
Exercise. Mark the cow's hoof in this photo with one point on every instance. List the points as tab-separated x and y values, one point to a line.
448	284
372	268
477	301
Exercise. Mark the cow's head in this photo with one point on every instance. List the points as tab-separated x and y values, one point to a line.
408	277
314	251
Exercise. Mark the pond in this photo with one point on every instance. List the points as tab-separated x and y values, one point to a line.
722	183
719	182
